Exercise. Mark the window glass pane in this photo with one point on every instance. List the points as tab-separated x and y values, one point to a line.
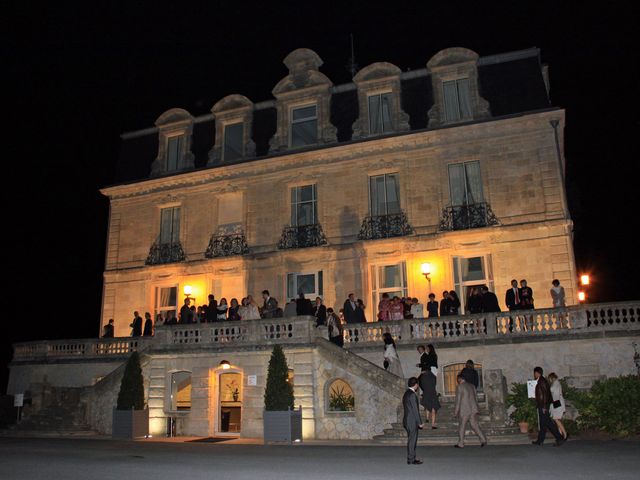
306	193
474	183
174	147
233	141
390	276
166	222
341	398
291	286
305	214
393	200
451	111
375	115
306	283
304	133
473	269
457	184
464	97
379	197
456	268
386	112
175	232
304	112
181	391
320	284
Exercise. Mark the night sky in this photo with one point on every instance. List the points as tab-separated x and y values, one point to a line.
80	75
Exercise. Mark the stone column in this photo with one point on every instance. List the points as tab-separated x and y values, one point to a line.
495	390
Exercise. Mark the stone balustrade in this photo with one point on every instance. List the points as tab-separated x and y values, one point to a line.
621	316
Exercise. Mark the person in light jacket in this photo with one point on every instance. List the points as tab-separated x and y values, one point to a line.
466	410
557	406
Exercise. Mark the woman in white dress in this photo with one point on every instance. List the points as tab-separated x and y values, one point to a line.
557	407
391	359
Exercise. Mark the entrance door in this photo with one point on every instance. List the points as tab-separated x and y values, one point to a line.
229	404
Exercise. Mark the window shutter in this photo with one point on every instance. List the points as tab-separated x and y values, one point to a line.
464	97
175	230
451	112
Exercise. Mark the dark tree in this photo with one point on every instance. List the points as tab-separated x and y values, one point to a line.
131	394
278	394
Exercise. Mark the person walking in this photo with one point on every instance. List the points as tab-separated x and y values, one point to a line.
557	405
470	374
411	420
391	359
429	401
466	410
543	400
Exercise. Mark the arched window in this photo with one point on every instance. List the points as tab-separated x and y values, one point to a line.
451	372
180	391
340	397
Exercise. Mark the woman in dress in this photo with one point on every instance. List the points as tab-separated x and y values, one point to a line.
557	294
222	310
391	358
557	407
233	310
429	400
454	303
252	309
383	308
431	360
396	309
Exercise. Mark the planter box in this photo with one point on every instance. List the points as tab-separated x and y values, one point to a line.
130	423
283	426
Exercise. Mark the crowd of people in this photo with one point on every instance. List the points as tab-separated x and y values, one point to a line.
479	300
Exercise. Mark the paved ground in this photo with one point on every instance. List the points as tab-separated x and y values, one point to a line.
55	458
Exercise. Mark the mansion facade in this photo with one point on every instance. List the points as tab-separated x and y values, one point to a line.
329	190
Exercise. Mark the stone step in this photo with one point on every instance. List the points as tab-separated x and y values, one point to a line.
470	439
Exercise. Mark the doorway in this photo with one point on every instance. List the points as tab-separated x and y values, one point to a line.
229	410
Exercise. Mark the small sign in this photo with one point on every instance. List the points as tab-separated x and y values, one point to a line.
531	388
18	400
252	380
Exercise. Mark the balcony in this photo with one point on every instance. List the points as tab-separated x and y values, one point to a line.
384	226
302	236
227	245
465	217
161	253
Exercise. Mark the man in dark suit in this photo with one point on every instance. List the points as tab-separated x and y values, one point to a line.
470	374
489	300
512	296
411	420
360	312
270	305
212	309
424	360
303	305
136	325
108	329
350	306
543	400
185	312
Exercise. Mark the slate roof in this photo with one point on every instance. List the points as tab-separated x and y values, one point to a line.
512	83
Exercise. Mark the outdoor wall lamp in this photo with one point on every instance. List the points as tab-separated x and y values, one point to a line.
225	365
188	290
584	279
426	270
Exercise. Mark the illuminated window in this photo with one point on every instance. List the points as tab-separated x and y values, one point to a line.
390	279
470	273
340	397
166	302
181	391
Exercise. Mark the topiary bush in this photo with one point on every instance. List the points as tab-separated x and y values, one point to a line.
131	395
278	395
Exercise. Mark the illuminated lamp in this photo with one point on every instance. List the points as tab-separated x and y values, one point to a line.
582	296
188	290
225	365
584	279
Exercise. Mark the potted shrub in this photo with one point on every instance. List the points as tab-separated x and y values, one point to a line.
282	423
524	413
130	417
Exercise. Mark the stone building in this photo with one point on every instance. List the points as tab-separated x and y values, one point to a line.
455	170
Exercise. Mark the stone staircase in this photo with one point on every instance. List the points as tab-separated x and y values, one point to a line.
63	415
497	433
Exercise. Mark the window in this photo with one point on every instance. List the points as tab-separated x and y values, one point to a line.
469	272
451	377
457	100
166	303
465	183
380	113
340	397
181	391
304	126
390	279
233	142
384	195
308	283
303	205
170	226
174	152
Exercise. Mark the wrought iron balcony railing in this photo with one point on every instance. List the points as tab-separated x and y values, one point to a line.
384	226
302	236
227	245
464	217
161	253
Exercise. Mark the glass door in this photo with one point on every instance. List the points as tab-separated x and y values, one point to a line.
230	403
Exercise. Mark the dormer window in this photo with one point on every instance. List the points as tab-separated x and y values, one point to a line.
456	91
233	142
379	105
380	113
304	126
174	152
175	128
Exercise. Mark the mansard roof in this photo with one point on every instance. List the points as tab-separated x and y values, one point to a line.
512	83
